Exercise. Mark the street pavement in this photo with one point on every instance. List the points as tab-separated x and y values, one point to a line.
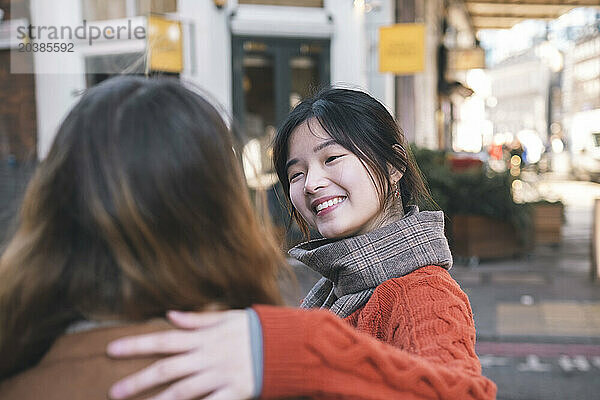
538	315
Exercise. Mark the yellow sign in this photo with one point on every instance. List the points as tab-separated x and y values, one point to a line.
402	48
165	44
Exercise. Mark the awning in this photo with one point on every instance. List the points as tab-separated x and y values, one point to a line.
504	14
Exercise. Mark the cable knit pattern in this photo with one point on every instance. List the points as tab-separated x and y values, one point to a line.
424	315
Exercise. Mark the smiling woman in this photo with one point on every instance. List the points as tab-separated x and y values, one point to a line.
343	144
330	187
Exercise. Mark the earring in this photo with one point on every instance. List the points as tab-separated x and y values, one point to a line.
397	193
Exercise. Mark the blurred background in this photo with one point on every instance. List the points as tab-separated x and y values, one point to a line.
500	100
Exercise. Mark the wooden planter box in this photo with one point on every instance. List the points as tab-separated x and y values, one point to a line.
483	237
547	222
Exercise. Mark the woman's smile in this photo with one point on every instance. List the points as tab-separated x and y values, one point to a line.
325	205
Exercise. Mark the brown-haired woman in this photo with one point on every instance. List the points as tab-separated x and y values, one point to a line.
138	208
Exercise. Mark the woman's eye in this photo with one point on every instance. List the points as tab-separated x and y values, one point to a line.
294	176
332	158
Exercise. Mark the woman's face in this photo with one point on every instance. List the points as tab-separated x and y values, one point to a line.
330	186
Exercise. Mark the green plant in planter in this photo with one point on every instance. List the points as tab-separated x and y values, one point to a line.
475	191
433	165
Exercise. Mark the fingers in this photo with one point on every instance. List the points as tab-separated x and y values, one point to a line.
216	347
193	320
169	342
160	372
192	387
166	342
225	393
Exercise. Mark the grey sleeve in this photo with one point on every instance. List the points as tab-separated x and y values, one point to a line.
256	343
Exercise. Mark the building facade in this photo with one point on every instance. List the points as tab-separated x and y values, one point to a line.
18	125
581	104
254	57
520	85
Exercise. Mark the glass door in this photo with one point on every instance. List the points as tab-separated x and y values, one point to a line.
270	76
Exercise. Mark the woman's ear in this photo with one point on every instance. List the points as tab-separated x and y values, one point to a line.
395	174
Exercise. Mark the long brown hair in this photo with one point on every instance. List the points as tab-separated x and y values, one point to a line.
139	207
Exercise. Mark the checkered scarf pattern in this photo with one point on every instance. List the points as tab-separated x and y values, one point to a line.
352	268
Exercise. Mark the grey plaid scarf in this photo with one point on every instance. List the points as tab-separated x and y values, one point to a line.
352	268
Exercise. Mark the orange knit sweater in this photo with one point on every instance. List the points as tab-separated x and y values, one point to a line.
426	322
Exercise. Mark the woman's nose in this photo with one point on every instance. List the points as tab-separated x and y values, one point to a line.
314	181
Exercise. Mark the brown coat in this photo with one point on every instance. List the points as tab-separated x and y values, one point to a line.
77	367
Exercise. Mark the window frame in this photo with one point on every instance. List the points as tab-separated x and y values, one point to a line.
131	10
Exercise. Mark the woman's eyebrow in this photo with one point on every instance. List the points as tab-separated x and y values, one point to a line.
317	148
290	163
327	143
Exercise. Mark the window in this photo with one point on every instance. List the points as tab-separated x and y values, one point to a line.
144	7
294	3
596	136
97	10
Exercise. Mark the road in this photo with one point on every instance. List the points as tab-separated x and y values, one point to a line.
531	371
538	316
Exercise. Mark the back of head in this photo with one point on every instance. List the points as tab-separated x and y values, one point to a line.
140	207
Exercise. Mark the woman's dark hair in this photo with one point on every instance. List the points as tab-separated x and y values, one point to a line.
140	207
363	126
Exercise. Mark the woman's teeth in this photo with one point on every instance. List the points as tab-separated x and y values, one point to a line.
329	203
